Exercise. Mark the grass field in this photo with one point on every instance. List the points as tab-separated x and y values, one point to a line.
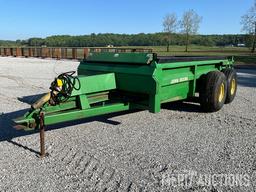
241	54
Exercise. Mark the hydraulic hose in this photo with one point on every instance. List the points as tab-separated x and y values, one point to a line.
69	83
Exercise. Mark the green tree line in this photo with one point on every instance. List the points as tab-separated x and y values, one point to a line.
142	39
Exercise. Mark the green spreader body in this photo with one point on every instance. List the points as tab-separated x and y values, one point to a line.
112	82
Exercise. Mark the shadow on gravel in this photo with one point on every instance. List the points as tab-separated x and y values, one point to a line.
185	106
246	77
7	132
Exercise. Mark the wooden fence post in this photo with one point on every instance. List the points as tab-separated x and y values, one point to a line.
86	52
74	53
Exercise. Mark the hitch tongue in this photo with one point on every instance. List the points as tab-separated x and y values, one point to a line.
20	127
25	123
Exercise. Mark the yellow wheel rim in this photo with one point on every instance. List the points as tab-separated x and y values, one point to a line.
221	92
233	87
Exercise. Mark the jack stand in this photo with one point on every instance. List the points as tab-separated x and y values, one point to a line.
42	134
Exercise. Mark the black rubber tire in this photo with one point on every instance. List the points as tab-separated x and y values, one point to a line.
210	90
230	75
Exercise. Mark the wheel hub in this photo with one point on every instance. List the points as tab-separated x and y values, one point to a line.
221	92
233	87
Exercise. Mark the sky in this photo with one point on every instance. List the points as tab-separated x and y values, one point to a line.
23	19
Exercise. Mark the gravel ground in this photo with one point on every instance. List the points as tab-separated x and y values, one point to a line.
126	151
